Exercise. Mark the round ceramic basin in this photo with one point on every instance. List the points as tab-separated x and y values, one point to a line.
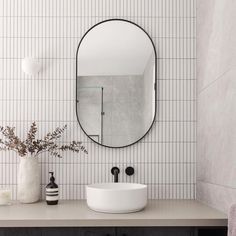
116	197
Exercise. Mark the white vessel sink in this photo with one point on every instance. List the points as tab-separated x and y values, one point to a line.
116	197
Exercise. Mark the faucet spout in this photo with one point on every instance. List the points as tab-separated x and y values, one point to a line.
115	171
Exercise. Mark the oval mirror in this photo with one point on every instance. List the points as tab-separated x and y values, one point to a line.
116	83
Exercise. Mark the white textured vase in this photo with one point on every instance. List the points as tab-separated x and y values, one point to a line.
29	177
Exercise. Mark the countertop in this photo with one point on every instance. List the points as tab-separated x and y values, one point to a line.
77	214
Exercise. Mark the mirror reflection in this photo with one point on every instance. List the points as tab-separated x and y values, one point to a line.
116	77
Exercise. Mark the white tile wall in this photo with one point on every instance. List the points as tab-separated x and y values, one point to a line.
51	30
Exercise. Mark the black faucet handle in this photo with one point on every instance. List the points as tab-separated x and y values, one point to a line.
129	170
115	169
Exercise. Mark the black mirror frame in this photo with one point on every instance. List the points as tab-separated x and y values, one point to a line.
76	101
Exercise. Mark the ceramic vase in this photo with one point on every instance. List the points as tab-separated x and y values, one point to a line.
29	178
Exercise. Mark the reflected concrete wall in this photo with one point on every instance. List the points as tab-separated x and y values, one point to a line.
149	92
124	102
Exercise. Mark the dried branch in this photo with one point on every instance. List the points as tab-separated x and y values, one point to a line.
35	146
55	134
74	147
31	138
12	141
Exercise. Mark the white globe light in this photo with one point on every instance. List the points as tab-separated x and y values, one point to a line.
31	66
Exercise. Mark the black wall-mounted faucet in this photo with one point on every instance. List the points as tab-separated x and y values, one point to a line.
115	171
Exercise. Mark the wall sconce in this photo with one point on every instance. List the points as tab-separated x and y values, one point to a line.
31	66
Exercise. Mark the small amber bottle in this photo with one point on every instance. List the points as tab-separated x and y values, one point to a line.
52	193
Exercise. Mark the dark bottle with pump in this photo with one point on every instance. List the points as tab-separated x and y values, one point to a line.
52	193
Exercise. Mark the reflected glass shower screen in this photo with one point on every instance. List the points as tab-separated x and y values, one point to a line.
90	102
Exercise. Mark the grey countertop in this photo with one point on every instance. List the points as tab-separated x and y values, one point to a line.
77	214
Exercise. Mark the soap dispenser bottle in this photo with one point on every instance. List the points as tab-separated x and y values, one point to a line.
52	194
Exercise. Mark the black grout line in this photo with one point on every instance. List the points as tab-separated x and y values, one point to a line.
72	58
104	17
